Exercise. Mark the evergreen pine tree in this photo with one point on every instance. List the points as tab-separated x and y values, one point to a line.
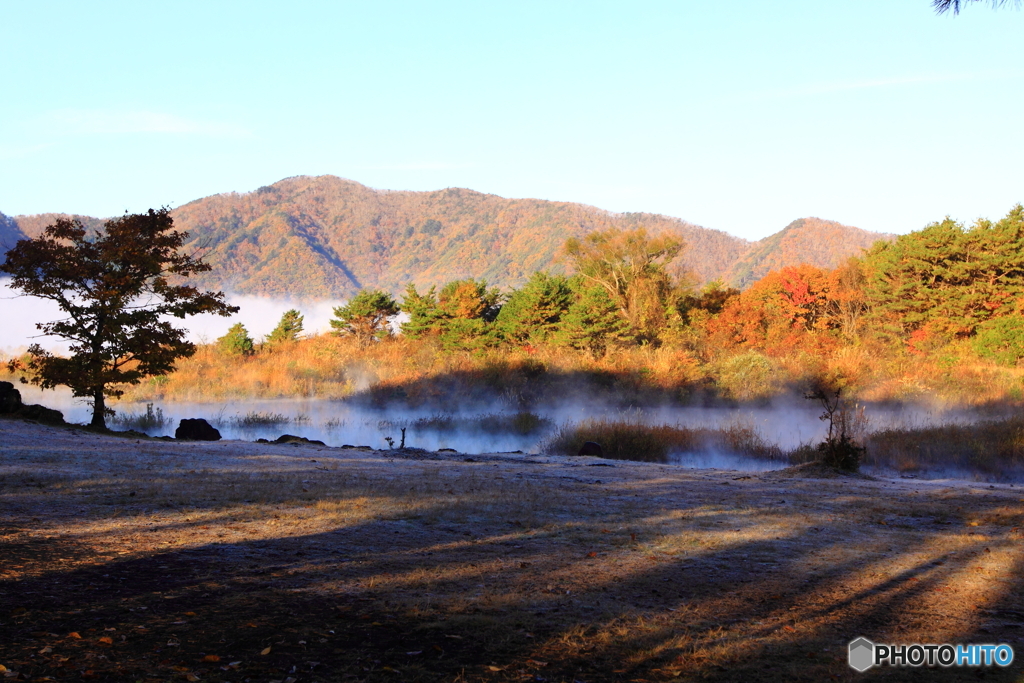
593	322
236	342
366	315
288	329
532	314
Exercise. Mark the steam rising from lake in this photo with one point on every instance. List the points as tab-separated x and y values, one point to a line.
787	423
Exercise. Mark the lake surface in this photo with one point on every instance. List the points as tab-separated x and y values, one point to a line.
787	423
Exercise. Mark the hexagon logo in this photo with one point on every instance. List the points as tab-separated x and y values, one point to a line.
862	655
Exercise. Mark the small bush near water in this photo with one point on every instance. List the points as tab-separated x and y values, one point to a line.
253	419
153	418
634	440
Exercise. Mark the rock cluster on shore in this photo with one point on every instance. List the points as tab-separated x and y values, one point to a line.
10	404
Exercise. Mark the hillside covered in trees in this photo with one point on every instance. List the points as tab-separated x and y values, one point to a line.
933	315
325	237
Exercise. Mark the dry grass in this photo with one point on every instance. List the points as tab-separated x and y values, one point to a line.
351	565
418	371
991	448
633	439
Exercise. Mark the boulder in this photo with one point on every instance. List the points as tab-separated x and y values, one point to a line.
289	438
41	414
591	448
10	398
196	429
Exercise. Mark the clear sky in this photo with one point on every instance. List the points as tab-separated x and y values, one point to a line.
739	115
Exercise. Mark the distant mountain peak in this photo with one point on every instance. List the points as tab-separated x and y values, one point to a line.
325	237
816	241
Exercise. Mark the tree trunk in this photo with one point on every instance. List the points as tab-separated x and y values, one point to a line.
99	410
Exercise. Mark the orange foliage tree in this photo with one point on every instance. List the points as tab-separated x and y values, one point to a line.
787	310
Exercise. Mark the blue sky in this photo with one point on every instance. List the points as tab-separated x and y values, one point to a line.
740	116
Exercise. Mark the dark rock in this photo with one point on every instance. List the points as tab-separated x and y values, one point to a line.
41	414
291	438
591	448
10	398
196	429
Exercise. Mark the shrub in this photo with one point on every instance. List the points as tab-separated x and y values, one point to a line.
153	418
746	376
620	440
236	342
839	448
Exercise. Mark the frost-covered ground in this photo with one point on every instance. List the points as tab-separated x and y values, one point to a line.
235	560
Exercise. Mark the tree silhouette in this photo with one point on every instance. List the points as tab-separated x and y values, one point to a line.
943	6
114	287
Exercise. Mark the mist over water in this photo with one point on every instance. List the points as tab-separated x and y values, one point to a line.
787	423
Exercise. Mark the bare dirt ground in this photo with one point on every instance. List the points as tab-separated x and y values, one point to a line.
146	560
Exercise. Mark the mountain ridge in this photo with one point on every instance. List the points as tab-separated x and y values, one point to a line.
319	237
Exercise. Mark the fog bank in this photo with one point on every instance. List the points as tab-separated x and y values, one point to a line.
259	315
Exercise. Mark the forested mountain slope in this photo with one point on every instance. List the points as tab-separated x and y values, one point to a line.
10	233
326	237
807	240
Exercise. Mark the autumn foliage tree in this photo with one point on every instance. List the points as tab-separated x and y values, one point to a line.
631	267
115	286
789	309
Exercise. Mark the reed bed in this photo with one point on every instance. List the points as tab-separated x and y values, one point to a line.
631	439
993	449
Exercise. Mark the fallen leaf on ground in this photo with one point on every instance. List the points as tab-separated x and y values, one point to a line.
106	640
265	651
75	635
211	658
